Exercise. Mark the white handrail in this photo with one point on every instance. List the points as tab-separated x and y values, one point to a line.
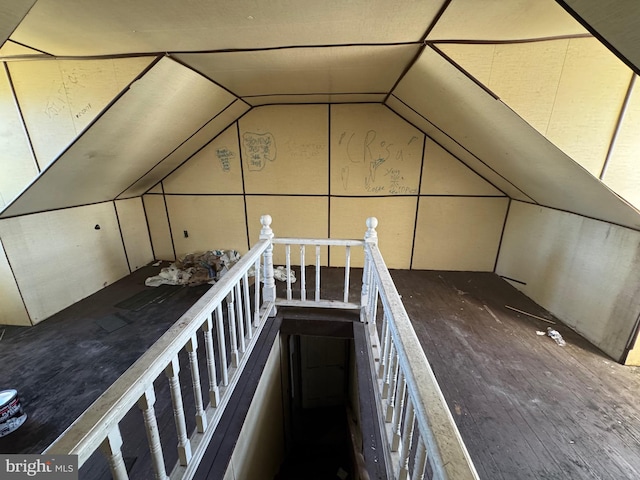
418	423
89	431
446	452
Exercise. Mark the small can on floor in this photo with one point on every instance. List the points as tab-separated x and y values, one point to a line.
12	415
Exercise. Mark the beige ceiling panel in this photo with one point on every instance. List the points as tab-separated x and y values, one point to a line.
373	152
500	20
443	174
476	59
14	50
456	149
92	27
59	98
588	102
214	169
498	136
320	70
455	233
526	76
13	311
623	171
285	149
211	222
127	140
156	213
11	13
59	257
135	234
17	164
615	20
396	217
190	146
156	189
291	218
344	98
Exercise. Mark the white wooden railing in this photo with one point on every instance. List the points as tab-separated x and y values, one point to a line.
422	438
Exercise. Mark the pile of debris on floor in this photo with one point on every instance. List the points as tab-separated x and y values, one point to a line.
206	267
196	269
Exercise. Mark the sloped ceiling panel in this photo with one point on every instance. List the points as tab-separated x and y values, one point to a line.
216	125
156	115
504	20
11	14
618	21
505	142
96	27
455	148
328	70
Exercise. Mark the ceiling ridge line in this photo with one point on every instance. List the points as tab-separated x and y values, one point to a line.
307	94
423	44
514	41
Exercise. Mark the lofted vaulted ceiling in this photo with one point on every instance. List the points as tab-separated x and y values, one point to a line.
484	79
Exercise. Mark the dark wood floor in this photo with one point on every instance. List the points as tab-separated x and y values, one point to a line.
526	407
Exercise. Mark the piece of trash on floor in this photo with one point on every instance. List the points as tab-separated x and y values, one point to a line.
529	314
342	474
540	333
157	264
556	336
280	273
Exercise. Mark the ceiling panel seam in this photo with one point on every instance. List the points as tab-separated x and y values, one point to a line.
177	60
317	103
616	130
596	34
22	121
3	40
461	146
465	72
124	247
47	210
309	94
608	222
146	219
175	149
415	220
15	280
504	227
411	63
514	41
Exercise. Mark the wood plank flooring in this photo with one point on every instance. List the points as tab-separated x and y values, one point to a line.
526	407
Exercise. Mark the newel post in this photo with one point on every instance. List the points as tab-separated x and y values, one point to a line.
269	288
370	238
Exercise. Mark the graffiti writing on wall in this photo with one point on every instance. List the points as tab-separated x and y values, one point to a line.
258	148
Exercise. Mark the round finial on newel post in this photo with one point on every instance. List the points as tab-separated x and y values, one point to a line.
266	231
371	235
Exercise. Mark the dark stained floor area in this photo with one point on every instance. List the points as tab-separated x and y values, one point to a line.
526	407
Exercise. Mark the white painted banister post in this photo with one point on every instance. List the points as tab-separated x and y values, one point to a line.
192	351
184	447
370	237
146	402
269	289
111	448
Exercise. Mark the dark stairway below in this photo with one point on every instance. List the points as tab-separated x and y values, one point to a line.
321	446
